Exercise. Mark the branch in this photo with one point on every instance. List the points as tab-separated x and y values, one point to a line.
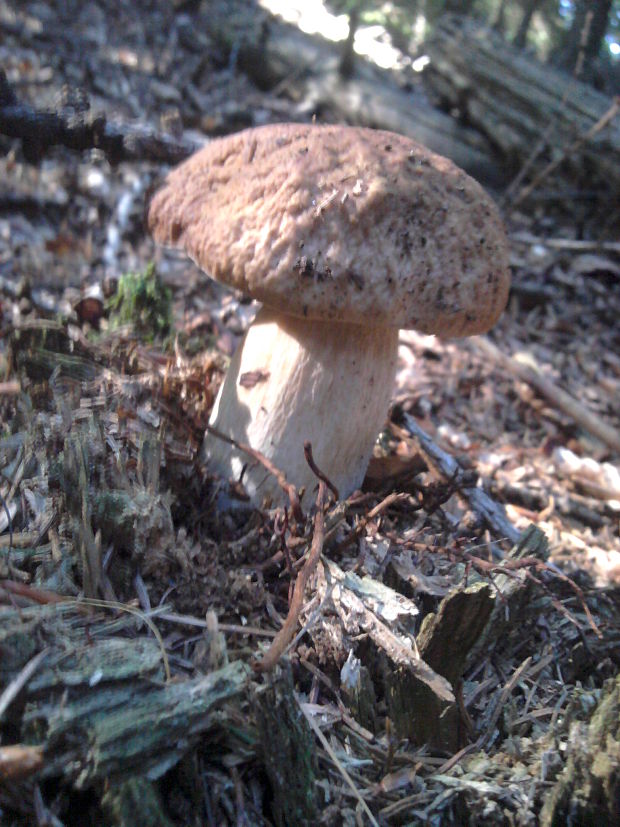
491	512
77	130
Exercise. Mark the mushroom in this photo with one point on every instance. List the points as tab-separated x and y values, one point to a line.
346	235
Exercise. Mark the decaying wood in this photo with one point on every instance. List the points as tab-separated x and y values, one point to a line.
556	396
488	510
364	605
306	67
288	750
519	103
358	690
121	803
445	641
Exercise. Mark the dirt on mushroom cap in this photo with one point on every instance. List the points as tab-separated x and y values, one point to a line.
342	223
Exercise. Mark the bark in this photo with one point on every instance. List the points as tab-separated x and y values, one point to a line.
588	789
444	642
99	705
287	748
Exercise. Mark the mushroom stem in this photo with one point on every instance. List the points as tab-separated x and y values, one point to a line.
293	380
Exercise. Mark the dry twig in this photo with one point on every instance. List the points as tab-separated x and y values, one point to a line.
288	488
284	636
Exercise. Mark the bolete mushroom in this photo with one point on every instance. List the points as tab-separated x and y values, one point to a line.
346	235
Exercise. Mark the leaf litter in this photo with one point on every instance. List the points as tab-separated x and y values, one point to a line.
117	566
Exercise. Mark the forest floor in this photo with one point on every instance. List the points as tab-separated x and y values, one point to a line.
104	496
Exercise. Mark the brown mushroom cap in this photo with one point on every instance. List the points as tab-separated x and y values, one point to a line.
340	223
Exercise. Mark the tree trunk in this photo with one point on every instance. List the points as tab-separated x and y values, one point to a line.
458	6
529	8
347	61
499	24
585	35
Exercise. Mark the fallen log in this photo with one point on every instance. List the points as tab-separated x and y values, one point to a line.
277	55
522	105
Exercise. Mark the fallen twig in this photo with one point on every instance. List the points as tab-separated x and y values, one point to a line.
231	628
42	596
20	680
509	567
327	747
577	244
361	524
18	761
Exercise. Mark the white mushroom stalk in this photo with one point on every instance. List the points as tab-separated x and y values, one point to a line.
293	380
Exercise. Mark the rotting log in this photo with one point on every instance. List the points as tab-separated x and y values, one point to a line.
519	103
305	67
